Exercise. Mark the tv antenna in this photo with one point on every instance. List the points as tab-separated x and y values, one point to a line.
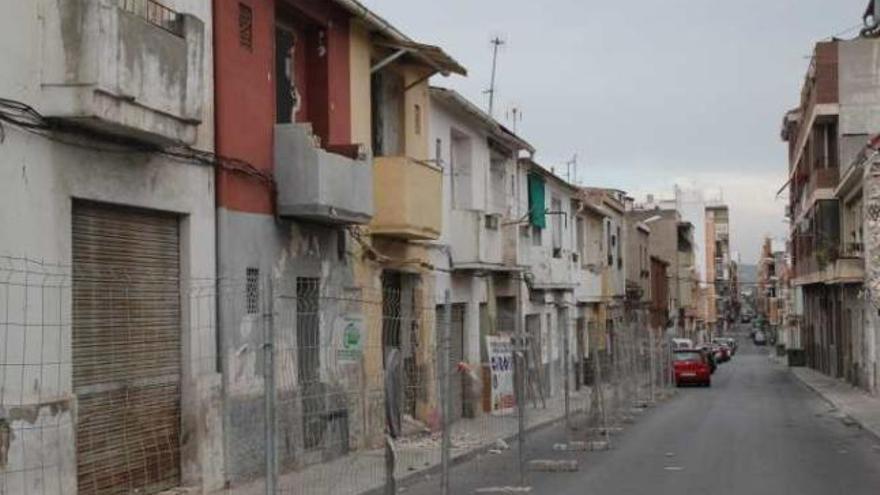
496	42
571	166
514	115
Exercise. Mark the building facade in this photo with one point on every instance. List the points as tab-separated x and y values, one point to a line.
719	307
826	136
108	220
328	232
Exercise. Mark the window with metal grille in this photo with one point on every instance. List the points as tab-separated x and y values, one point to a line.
245	26
308	353
252	291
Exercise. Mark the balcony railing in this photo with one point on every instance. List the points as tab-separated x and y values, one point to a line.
155	13
852	250
824	178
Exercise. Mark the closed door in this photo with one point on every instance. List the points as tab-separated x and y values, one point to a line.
126	349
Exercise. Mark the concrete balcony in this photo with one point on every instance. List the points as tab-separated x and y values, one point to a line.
840	271
408	198
319	186
129	68
476	240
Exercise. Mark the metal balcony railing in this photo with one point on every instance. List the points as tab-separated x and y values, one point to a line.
852	250
155	13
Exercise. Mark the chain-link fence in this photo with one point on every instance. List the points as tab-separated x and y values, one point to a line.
135	379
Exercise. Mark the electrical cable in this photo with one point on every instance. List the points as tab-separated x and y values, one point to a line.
23	116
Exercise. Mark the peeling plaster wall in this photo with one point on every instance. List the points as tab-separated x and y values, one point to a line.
283	251
39	179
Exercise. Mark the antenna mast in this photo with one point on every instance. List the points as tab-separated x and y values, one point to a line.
571	165
496	42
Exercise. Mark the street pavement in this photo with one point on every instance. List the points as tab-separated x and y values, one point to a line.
757	430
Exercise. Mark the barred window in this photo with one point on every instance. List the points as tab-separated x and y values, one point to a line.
252	291
245	26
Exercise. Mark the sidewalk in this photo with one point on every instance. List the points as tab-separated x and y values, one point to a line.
863	408
364	471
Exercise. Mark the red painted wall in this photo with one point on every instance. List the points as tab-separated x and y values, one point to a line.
244	102
245	92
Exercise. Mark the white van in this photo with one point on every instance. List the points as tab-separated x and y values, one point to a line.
678	343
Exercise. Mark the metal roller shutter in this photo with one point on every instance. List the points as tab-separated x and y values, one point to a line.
126	349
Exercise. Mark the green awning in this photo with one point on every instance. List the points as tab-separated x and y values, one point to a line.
537	208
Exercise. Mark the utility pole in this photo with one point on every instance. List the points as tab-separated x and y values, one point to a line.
496	42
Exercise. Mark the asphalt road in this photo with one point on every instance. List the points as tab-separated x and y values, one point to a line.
757	430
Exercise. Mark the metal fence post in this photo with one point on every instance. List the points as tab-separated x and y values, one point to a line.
446	403
565	368
653	364
520	360
269	392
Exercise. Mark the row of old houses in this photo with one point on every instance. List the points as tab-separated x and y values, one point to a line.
205	204
820	291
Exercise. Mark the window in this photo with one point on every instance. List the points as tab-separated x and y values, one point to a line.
609	240
252	291
245	26
461	170
619	249
537	208
556	208
580	238
308	356
417	115
491	222
438	152
537	240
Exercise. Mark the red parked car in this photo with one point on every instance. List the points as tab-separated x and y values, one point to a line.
691	366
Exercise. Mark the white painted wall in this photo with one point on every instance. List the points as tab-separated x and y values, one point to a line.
39	179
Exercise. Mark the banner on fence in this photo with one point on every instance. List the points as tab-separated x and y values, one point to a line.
501	364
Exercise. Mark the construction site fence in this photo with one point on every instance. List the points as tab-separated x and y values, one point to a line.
118	381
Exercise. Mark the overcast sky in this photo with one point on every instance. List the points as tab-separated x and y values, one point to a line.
648	93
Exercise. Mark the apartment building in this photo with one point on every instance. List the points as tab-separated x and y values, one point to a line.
478	157
826	136
686	282
611	312
548	251
638	270
108	227
719	308
331	242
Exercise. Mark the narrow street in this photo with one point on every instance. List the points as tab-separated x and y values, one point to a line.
757	430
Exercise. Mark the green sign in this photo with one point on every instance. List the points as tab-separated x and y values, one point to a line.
351	342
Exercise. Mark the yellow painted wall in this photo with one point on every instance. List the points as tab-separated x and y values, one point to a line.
361	111
416	144
408	198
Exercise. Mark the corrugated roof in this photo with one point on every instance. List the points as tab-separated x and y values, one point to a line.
433	56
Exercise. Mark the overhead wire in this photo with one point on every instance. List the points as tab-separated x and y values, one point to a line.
22	116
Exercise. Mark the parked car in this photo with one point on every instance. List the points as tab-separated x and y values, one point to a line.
725	352
691	367
745	318
709	354
728	346
760	338
680	343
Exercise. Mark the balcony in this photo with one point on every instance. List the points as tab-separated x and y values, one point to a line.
408	198
824	178
317	185
476	240
128	68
